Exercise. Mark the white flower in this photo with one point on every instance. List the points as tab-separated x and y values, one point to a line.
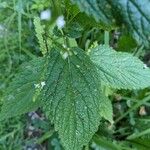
64	46
65	55
145	66
45	15
40	85
43	84
77	66
37	86
60	22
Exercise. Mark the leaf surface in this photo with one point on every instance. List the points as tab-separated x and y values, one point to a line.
72	97
120	70
99	9
134	14
106	110
21	95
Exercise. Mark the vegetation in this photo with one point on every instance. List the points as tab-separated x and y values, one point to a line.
74	75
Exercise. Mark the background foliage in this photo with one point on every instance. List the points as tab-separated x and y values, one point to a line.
85	86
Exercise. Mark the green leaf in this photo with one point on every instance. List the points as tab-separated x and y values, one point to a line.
22	96
72	97
140	143
106	110
120	70
126	43
142	126
73	30
99	9
135	14
105	143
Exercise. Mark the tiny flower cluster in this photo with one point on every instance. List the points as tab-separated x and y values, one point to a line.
60	22
40	85
46	15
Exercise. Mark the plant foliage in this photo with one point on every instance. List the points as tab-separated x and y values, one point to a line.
74	81
22	95
71	85
120	70
134	14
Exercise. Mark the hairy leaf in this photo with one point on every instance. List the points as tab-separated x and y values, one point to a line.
120	70
72	97
99	9
135	14
22	95
106	110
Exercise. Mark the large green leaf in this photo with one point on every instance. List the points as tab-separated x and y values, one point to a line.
120	70
72	97
22	95
135	14
99	9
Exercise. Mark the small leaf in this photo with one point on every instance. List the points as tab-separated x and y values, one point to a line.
106	110
120	70
22	96
73	30
126	43
72	97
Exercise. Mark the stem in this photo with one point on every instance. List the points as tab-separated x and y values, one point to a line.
138	104
66	40
45	137
106	38
137	135
29	53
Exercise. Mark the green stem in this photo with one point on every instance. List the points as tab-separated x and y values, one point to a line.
108	144
138	104
137	135
29	53
45	137
66	40
106	37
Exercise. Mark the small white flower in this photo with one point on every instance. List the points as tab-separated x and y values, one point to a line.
64	46
77	66
60	22
37	86
45	15
40	85
43	84
65	55
145	66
